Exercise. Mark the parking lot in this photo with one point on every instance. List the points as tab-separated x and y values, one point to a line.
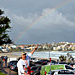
7	70
37	67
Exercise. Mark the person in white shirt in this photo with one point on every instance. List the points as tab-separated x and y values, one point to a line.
23	63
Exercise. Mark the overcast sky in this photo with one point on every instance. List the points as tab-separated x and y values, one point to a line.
40	21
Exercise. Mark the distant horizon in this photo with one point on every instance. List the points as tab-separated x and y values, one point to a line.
48	42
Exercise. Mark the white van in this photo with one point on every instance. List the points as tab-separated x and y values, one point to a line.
46	68
61	72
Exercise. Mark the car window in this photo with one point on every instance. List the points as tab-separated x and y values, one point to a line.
34	68
13	62
68	67
52	72
32	58
65	72
61	72
40	68
53	61
62	63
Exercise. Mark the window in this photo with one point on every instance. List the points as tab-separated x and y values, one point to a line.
68	67
34	68
65	72
61	72
52	72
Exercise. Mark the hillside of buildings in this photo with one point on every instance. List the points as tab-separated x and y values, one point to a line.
61	46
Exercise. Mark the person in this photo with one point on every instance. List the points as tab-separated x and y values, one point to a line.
1	63
6	60
58	61
24	63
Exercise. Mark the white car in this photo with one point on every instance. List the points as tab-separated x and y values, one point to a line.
34	59
4	50
61	72
46	68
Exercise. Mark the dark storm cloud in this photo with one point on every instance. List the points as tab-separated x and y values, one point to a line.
56	25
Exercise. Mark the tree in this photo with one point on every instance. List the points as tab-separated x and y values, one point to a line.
68	58
62	58
4	28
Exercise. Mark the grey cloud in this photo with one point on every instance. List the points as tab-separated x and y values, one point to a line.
52	25
57	26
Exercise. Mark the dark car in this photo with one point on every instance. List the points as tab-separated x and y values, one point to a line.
32	64
13	66
35	70
52	62
12	62
42	61
72	64
51	73
62	63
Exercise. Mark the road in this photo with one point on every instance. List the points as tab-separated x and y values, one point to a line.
7	71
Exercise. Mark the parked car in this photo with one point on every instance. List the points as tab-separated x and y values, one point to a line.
13	67
32	64
61	72
62	63
12	62
42	61
34	59
72	65
50	73
46	68
35	70
52	62
4	50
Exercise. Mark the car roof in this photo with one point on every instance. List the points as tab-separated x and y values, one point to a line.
14	61
56	64
62	70
37	66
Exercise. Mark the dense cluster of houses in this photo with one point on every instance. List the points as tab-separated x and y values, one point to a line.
64	46
61	46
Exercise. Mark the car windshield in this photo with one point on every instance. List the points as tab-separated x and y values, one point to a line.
72	64
13	62
65	72
34	68
68	67
52	72
62	63
32	58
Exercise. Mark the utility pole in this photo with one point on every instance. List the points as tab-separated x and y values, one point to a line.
50	60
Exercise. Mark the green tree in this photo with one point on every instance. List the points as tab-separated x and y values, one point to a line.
62	58
67	58
4	28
